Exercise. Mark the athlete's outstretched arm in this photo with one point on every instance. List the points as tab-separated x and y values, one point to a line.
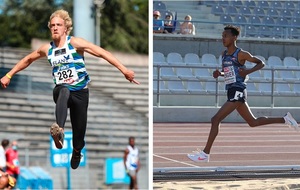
83	45
23	64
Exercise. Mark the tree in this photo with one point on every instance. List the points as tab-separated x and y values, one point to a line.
23	20
124	25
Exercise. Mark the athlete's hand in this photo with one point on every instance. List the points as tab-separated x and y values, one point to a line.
129	75
216	73
243	72
5	81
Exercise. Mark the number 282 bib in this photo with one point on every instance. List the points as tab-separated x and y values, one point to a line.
65	74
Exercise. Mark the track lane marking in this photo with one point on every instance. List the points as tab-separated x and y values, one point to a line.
169	159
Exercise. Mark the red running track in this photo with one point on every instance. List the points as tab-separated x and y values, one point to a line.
236	145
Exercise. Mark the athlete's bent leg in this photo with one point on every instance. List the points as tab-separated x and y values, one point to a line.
247	115
223	112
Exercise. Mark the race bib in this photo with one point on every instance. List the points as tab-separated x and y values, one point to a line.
15	162
229	75
66	74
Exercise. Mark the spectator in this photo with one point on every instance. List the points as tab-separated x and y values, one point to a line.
168	24
4	145
132	163
187	27
158	24
12	160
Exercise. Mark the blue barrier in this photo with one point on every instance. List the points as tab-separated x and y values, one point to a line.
26	179
34	178
44	179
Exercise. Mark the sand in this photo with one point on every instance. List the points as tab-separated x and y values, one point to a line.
252	184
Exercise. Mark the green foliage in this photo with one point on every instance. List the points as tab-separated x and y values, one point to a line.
23	20
124	23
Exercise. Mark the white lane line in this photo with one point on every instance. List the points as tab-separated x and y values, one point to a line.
175	161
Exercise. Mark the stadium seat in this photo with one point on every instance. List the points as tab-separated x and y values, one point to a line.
210	87
185	73
259	12
290	62
217	10
236	3
251	88
158	5
176	87
155	73
282	21
231	10
267	75
275	4
168	73
283	88
174	58
274	61
295	22
226	19
245	11
272	13
289	5
203	74
265	31
285	13
263	4
194	87
209	59
255	76
249	3
162	87
191	59
264	88
255	20
240	19
268	20
296	14
223	3
297	74
279	32
159	58
296	88
221	87
287	75
251	31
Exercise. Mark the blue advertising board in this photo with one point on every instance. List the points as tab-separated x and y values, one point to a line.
115	171
62	157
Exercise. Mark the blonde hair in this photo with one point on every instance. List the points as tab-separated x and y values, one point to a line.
65	16
188	16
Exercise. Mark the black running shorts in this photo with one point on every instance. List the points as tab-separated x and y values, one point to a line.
236	94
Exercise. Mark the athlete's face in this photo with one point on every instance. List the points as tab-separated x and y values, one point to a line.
131	142
228	38
57	28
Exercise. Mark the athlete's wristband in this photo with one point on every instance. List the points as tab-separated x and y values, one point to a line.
8	76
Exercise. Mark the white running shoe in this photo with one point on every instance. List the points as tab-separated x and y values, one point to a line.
199	156
289	120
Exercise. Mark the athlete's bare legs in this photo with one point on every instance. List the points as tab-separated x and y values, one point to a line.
244	110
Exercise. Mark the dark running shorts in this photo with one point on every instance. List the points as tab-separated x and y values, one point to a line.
236	94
